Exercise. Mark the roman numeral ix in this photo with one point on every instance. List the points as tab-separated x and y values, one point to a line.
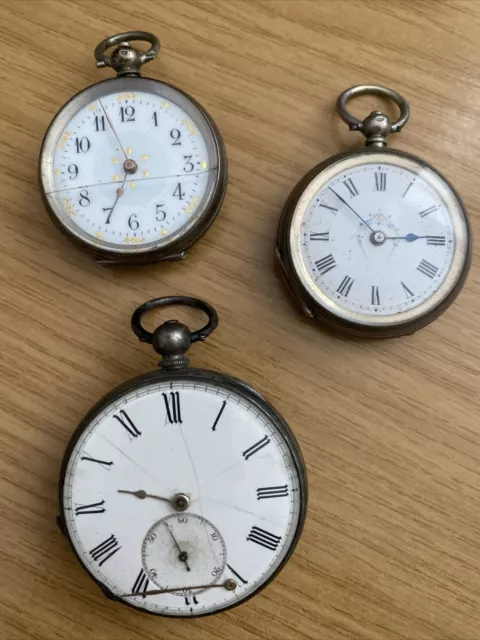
105	550
255	448
172	406
96	507
272	492
264	538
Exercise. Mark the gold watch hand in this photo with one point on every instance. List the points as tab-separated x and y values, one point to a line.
229	585
113	130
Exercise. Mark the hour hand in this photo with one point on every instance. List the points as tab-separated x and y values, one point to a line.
143	494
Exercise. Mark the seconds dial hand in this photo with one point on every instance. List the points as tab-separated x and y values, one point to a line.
351	209
183	557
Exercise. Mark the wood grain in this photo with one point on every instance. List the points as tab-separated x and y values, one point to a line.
390	431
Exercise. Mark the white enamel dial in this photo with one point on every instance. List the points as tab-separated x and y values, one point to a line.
379	238
131	169
206	442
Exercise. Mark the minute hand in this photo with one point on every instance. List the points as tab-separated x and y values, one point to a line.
351	209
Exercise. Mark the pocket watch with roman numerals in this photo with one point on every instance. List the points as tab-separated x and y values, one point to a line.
374	243
183	492
132	169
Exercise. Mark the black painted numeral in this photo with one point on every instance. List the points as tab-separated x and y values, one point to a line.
189	166
436	241
380	181
110	210
407	189
133	223
104	463
237	575
127	114
175	134
375	295
408	293
155	118
264	538
126	422
345	286
427	212
95	507
224	403
105	550
255	448
82	144
141	584
178	193
427	269
326	264
73	171
160	213
327	206
352	189
325	236
272	492
100	123
83	199
172	407
193	600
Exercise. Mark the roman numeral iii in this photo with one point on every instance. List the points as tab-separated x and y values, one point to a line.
272	492
264	538
172	407
105	550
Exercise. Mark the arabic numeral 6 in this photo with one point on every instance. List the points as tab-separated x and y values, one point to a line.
133	223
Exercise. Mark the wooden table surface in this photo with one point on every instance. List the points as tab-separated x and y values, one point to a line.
390	430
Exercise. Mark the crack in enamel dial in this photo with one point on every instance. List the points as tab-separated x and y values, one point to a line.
218	445
132	166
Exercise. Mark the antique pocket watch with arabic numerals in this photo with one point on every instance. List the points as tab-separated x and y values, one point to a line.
132	169
182	492
374	243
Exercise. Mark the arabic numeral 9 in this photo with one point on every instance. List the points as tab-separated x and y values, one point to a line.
73	171
133	223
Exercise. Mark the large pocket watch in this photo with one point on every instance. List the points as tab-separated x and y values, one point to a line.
183	492
132	169
374	243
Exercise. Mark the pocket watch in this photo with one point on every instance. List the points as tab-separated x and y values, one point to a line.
376	242
132	169
182	492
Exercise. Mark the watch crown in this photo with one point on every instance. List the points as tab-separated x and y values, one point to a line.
172	340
